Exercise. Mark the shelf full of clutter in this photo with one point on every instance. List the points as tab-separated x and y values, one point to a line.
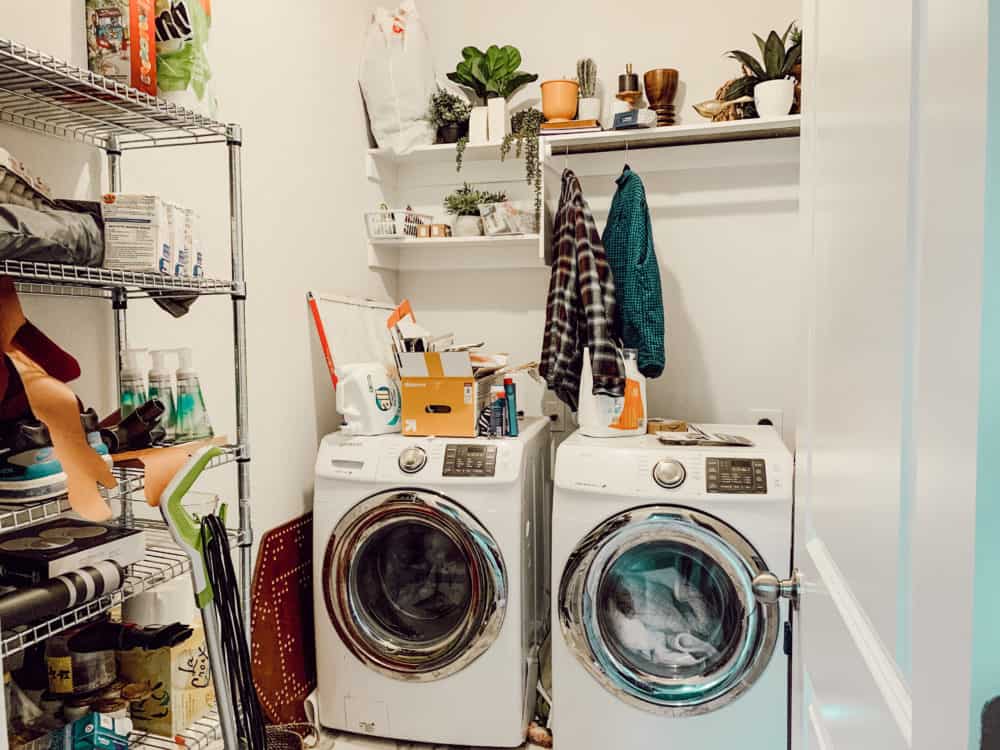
465	129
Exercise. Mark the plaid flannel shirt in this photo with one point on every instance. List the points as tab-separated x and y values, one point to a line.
581	304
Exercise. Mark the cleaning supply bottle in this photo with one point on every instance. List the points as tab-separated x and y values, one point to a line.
192	422
161	387
133	383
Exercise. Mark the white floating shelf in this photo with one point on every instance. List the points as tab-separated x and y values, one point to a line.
439	152
457	253
675	135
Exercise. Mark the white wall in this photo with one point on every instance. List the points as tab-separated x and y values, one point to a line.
725	230
295	95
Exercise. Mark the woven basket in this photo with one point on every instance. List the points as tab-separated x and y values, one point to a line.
291	737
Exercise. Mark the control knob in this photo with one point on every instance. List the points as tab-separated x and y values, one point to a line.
669	473
412	460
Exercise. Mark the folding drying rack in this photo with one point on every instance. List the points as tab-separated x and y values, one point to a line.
48	96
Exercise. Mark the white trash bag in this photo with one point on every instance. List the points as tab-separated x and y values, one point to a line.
397	78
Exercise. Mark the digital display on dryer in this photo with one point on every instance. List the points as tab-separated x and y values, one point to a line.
738	476
470	460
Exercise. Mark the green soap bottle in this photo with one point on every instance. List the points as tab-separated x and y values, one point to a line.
133	383
192	421
161	387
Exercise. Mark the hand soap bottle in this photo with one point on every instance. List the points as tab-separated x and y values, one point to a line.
161	387
133	383
192	417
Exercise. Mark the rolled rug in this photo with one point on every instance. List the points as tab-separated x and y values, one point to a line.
60	593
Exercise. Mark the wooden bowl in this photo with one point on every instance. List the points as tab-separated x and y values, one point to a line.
661	86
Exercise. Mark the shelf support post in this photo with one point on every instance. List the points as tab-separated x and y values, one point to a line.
234	144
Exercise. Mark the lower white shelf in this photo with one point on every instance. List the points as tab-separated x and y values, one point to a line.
457	253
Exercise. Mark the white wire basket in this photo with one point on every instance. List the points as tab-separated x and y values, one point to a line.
394	223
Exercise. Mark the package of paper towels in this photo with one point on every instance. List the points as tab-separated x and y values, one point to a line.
169	602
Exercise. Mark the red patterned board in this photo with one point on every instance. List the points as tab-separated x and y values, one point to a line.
283	644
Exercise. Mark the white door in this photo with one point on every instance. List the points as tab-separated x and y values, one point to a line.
893	212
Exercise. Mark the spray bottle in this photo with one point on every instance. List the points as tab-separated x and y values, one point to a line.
161	387
133	383
192	421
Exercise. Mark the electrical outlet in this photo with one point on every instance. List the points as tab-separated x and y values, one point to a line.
556	411
773	417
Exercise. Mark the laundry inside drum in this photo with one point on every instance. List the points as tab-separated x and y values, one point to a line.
413	582
668	610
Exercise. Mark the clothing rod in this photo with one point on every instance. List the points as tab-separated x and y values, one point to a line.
639	144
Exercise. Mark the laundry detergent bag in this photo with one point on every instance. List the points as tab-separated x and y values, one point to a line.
183	73
397	79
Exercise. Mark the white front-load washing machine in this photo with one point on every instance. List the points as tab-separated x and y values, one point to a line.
660	637
431	560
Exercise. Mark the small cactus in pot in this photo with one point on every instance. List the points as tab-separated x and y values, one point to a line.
590	103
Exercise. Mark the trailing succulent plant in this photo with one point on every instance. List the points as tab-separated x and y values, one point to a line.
586	76
464	201
523	138
447	108
493	73
777	61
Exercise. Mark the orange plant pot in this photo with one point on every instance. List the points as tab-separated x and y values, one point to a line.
559	100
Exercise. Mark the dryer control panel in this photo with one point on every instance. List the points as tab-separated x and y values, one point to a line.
469	460
742	476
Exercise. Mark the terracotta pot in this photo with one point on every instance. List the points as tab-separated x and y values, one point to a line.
559	99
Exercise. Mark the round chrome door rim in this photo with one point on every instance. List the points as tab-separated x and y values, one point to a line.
727	549
378	649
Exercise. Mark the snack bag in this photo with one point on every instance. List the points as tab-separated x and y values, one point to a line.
183	73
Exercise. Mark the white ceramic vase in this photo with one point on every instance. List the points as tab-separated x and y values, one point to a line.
499	123
478	126
467	226
589	108
774	98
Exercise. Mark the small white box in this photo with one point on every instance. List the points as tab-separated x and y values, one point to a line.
138	233
185	244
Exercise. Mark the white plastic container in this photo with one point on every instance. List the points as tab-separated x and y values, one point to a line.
368	399
609	416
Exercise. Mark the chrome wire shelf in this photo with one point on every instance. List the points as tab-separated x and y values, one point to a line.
129	489
47	95
82	281
198	736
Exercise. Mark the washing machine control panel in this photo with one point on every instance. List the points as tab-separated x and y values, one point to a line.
743	476
470	460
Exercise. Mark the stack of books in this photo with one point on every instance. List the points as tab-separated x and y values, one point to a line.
570	126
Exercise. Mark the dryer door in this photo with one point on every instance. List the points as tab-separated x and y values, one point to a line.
658	604
414	585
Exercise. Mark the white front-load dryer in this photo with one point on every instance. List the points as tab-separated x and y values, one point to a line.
431	560
660	639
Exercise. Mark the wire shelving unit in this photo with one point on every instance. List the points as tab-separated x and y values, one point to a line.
48	96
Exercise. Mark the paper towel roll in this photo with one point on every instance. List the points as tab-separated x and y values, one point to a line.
169	602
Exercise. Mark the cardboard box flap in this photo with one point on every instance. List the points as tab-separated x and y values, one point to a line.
435	365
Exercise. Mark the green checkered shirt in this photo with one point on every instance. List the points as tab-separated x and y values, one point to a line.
628	242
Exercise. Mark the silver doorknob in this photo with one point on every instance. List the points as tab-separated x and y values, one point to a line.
769	589
669	474
412	460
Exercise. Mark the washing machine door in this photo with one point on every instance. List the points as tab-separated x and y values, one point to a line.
414	585
657	603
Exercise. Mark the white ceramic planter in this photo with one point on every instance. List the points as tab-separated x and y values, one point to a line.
478	126
467	226
774	98
589	108
499	122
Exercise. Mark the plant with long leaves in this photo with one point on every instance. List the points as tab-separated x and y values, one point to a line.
523	138
493	73
777	61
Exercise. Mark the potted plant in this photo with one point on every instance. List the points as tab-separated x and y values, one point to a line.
559	99
493	76
463	204
523	138
450	115
589	107
768	80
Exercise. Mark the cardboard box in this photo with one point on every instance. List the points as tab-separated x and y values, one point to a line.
138	233
121	42
181	679
441	396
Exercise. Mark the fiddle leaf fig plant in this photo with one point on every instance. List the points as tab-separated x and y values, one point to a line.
777	59
493	73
